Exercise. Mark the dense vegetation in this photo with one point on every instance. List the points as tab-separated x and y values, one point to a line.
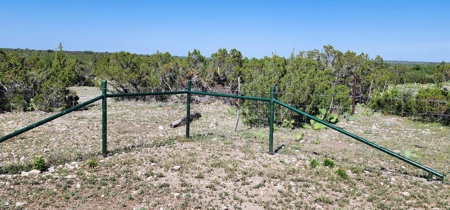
310	80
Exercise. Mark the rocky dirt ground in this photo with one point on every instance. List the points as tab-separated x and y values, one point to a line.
152	166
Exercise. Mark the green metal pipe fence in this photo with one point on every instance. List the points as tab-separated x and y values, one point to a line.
189	93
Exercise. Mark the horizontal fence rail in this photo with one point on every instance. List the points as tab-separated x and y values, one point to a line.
189	93
231	96
117	95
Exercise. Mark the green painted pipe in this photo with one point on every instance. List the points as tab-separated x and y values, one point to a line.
188	108
115	95
104	119
271	117
231	96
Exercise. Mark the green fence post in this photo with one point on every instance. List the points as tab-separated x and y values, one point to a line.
188	107
272	93
104	119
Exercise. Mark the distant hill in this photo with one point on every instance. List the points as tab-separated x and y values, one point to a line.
71	52
394	62
410	62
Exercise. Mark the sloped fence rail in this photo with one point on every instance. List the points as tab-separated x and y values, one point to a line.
189	93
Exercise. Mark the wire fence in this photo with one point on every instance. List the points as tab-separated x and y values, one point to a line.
20	100
145	123
222	124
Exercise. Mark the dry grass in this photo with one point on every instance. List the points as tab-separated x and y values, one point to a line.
152	166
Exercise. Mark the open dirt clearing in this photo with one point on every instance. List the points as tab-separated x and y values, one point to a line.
152	166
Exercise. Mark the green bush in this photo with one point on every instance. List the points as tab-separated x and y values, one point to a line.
55	97
341	173
429	104
298	81
314	163
394	102
33	81
432	104
92	163
328	162
39	164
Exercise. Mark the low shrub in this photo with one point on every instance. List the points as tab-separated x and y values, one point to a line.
314	163
329	163
39	164
341	173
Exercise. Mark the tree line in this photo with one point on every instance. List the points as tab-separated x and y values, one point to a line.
39	80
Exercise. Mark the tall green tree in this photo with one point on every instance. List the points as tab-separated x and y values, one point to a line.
443	73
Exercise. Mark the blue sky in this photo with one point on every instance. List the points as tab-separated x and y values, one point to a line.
409	30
